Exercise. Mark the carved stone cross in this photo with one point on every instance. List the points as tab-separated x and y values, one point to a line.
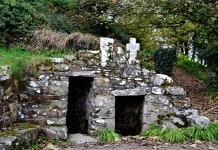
132	47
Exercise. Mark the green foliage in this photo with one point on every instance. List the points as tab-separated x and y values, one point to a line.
204	134
174	135
18	71
151	131
146	59
212	93
107	135
164	60
7	133
19	18
27	125
194	68
60	142
210	55
183	134
20	60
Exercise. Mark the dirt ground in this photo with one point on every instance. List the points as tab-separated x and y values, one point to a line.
196	91
146	144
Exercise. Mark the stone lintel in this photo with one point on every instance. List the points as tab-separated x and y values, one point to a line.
82	73
131	92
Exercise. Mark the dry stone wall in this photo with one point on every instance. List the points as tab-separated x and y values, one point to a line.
8	100
45	99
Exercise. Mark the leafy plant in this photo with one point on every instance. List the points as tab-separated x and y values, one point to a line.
174	135
151	131
213	128
201	133
146	59
164	60
183	134
107	135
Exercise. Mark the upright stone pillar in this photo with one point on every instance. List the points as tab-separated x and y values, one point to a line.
106	46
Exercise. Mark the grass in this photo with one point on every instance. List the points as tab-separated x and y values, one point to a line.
27	126
13	55
212	93
8	132
174	135
107	135
153	130
183	134
19	60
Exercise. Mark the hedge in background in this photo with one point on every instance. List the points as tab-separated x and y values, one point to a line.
164	60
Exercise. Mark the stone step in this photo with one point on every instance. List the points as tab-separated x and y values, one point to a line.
20	139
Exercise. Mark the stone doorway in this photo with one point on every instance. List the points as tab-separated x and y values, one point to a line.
77	118
128	114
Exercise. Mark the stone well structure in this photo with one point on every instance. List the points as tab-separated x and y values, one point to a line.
94	90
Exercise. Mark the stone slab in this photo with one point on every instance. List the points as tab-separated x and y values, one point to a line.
81	139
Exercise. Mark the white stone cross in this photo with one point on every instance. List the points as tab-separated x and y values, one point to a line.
106	46
132	47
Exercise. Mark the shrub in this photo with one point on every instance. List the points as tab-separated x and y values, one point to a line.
145	57
210	55
17	19
164	60
107	135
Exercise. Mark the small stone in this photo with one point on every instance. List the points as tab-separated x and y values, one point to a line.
202	121
122	82
33	84
175	91
81	139
176	121
42	77
56	132
57	60
100	121
119	50
69	57
49	122
102	82
138	79
61	67
7	140
50	146
145	72
157	90
161	79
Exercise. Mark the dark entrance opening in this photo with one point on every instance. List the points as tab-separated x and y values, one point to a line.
77	120
128	114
